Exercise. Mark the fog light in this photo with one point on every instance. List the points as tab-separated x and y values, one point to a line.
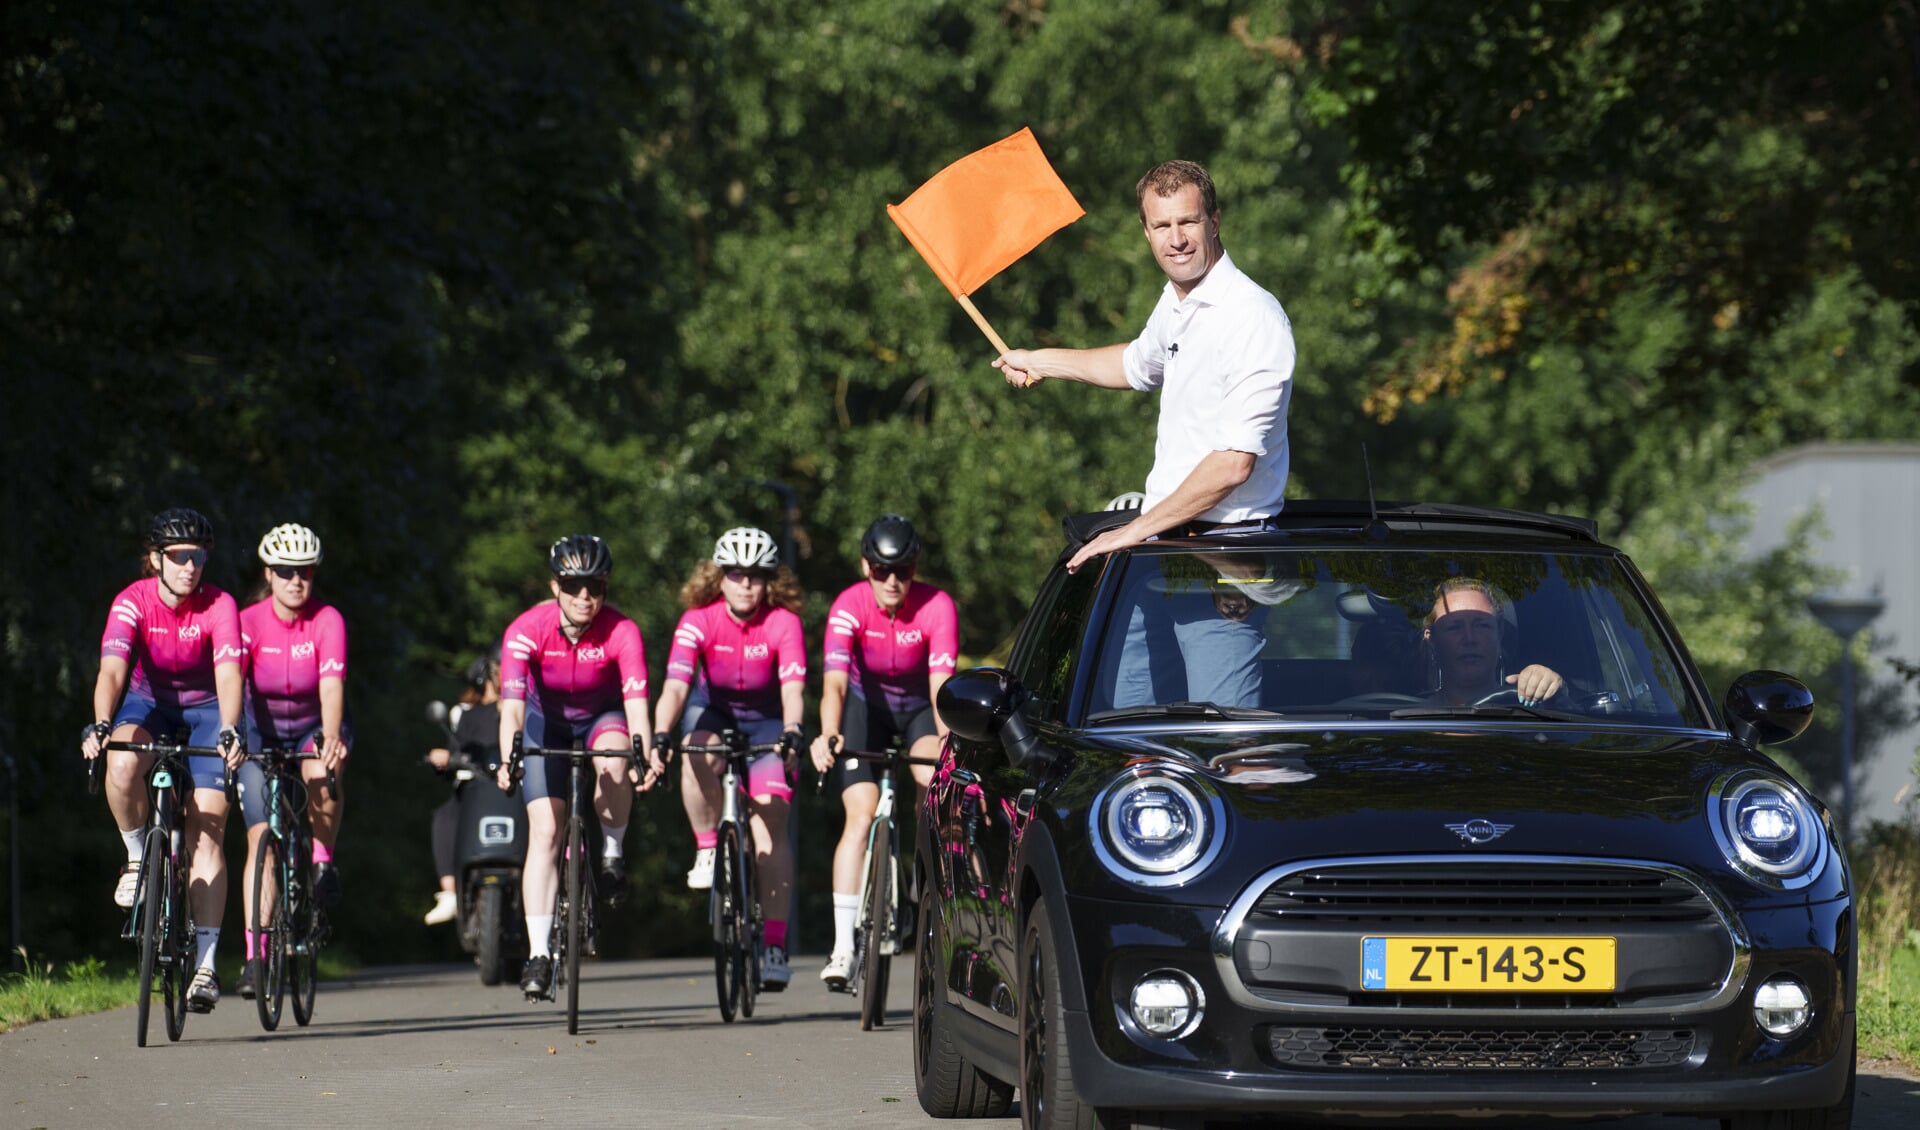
1781	1007
1167	1004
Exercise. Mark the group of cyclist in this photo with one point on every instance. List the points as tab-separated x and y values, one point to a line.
178	660
573	670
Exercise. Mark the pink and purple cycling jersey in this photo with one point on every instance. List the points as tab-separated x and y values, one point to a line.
746	664
892	655
286	661
562	678
173	650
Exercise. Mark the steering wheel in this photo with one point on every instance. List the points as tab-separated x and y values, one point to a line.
1505	696
1381	698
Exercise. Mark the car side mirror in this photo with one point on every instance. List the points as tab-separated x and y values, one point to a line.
980	705
1768	707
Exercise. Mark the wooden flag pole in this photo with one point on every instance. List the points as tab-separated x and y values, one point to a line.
981	321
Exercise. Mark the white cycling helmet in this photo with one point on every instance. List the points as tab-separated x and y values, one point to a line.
747	548
290	544
1132	500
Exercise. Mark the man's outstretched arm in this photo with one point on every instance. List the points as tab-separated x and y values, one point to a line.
1102	367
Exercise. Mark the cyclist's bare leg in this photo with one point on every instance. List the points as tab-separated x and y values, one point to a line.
859	800
324	807
127	780
540	876
255	834
207	871
612	795
773	868
700	785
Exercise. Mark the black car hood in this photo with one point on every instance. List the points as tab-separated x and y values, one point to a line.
1356	793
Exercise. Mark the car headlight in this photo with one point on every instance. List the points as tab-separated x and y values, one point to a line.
1768	829
1156	829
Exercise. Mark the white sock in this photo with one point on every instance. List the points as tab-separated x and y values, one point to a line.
539	935
614	844
136	844
846	908
205	938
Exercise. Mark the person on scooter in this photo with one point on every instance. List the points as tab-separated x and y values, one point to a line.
476	734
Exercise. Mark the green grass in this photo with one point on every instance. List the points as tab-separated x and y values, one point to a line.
1887	873
47	992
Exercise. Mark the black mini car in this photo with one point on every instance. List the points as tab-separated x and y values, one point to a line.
1422	811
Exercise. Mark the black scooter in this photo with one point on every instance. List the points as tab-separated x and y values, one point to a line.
489	849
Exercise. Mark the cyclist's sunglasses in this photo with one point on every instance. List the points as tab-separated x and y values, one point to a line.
747	576
289	572
193	557
889	572
593	586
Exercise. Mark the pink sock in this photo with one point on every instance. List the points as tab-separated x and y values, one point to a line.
322	853
706	840
777	932
253	939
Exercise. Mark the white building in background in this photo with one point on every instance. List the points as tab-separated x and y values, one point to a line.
1869	494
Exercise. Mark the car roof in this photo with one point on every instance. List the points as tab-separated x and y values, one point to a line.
1343	520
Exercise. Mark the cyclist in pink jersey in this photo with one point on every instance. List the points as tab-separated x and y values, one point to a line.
296	698
891	642
172	649
742	631
572	670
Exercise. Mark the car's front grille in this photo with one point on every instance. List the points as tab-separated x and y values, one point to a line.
1478	1049
1381	895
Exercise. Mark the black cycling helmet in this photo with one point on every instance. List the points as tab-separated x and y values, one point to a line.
890	541
179	526
580	555
482	668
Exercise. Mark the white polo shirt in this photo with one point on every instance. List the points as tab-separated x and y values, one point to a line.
1223	360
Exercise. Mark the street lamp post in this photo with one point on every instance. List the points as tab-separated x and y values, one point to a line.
1845	617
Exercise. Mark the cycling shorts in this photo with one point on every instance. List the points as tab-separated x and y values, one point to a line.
547	776
871	726
166	722
766	772
250	781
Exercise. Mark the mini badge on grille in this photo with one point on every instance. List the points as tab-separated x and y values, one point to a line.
1479	831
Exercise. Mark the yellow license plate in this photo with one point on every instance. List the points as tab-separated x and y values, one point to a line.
1472	963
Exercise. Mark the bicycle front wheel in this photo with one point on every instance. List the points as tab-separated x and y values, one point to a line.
877	929
303	938
151	906
270	931
750	929
177	951
729	922
578	892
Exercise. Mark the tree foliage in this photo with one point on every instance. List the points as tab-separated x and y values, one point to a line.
450	281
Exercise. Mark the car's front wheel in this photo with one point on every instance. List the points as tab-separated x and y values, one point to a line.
948	1085
1047	1099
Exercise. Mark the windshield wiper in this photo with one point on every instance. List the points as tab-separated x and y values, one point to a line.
1492	710
1172	710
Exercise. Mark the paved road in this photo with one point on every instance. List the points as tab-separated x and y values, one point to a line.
429	1046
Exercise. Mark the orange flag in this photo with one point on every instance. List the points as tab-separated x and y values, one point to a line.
979	214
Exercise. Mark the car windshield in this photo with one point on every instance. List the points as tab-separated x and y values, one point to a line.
1402	634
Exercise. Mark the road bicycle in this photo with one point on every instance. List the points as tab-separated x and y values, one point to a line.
881	917
575	930
733	905
162	919
287	919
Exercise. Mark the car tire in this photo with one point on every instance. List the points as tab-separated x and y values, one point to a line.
949	1086
1839	1116
1047	1099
